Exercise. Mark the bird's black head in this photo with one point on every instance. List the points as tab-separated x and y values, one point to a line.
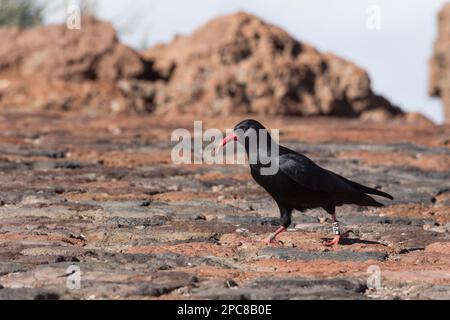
262	151
249	124
249	133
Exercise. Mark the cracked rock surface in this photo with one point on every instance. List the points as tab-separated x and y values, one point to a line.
103	194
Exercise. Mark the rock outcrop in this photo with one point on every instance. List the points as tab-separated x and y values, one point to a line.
440	62
53	67
235	64
241	64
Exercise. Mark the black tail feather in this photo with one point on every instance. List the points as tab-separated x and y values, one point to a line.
381	193
376	192
368	201
368	190
360	199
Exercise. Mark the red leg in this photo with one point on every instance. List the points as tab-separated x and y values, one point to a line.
337	235
272	236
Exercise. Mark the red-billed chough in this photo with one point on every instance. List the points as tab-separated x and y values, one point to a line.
298	183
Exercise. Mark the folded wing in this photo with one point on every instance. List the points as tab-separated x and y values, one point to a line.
309	175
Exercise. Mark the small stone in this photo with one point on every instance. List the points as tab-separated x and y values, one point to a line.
145	203
323	220
78	237
59	190
30	200
66	259
439	229
217	188
230	283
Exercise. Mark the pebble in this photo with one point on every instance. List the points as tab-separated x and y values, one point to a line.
439	229
146	203
323	220
200	217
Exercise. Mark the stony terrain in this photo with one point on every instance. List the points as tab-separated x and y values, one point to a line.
103	194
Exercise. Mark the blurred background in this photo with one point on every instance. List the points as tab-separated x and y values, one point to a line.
396	54
392	41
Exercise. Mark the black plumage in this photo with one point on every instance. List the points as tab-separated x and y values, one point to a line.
300	183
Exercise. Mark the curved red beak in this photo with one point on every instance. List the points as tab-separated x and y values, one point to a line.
228	138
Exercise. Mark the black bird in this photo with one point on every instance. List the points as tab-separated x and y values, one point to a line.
299	183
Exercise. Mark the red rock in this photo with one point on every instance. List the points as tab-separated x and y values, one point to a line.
439	247
55	68
58	52
235	64
241	64
440	62
417	117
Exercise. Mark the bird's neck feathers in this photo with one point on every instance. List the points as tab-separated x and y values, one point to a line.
261	150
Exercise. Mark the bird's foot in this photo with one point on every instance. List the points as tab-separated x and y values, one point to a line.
272	240
332	242
337	239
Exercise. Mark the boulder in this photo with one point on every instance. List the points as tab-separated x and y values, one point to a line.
241	64
56	68
90	53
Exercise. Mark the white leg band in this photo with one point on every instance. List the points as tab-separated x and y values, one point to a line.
336	229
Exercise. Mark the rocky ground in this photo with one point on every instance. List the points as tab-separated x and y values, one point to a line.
103	194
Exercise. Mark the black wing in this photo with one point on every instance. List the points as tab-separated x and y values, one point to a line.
309	175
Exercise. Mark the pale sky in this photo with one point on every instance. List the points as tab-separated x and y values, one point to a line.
395	55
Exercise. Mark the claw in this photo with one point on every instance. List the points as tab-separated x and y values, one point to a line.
332	242
337	239
270	240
